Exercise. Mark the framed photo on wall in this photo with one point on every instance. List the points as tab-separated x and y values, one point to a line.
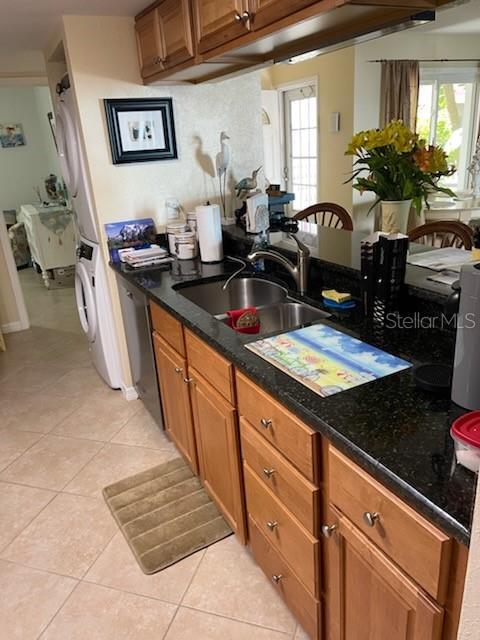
141	129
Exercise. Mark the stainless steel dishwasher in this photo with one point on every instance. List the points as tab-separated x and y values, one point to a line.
136	320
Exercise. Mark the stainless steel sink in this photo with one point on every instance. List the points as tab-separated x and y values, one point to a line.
286	315
277	311
240	293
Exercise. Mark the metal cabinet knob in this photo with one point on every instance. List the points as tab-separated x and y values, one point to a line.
370	518
328	530
266	423
246	15
178	370
268	472
189	381
272	525
276	577
238	18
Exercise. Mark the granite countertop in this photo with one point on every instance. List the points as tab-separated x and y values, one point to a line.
392	429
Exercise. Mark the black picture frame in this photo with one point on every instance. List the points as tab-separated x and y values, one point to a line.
121	137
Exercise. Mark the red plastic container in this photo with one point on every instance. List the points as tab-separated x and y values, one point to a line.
465	432
235	314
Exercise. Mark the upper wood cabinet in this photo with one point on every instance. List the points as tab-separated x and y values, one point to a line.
149	43
175	21
164	36
368	596
218	22
265	12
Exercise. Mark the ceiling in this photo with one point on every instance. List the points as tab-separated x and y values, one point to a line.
462	19
27	24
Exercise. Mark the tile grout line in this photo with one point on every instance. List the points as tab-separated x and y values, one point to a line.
42	632
22	454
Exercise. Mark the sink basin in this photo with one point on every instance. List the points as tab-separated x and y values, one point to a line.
277	311
240	293
286	315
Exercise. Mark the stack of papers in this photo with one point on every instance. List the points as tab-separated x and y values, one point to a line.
144	257
441	259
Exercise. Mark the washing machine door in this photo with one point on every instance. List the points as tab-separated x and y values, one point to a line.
85	298
68	151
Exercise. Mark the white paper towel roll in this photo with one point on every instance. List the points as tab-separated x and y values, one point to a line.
209	229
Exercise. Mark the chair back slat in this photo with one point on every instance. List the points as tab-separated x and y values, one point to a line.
327	214
443	234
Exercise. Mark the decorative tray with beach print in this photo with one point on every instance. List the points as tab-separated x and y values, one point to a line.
326	360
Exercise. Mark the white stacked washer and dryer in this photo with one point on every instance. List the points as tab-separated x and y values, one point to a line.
91	288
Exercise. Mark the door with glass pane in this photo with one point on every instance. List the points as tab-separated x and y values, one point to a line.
301	156
446	117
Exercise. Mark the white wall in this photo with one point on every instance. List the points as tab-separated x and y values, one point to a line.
23	168
102	59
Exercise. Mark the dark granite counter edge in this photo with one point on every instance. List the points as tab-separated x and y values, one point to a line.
398	486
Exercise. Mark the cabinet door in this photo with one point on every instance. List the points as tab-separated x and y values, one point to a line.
219	451
368	597
176	32
265	12
149	43
172	375
219	22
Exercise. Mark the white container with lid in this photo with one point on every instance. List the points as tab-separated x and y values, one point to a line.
192	220
186	246
172	229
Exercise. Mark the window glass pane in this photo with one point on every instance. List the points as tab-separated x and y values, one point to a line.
295	143
295	113
304	109
305	135
312	112
424	111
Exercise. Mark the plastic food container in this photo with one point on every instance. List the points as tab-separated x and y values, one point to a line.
186	246
192	220
172	229
465	432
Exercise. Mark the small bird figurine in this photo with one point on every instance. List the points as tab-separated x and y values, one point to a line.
222	160
246	185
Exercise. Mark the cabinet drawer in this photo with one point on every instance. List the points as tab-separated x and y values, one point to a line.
211	365
299	495
302	604
299	548
406	537
168	327
299	444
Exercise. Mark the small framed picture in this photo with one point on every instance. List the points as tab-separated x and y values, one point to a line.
11	135
141	129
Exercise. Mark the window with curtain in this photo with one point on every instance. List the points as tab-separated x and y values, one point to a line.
447	115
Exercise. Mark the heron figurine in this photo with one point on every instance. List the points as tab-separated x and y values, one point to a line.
246	185
222	160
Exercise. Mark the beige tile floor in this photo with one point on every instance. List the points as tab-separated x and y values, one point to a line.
66	572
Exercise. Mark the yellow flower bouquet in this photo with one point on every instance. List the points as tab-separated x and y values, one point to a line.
400	165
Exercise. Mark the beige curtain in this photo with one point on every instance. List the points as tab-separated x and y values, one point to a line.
399	92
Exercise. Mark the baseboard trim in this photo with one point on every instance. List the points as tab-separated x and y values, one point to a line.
12	327
129	393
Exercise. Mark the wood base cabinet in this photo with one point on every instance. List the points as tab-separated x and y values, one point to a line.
173	381
216	430
369	597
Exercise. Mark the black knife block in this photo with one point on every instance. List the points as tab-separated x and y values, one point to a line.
383	265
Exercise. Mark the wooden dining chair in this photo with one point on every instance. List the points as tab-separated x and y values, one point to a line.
442	234
326	214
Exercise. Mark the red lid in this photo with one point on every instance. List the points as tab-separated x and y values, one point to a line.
467	428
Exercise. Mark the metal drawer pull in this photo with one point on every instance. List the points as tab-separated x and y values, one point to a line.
268	472
370	518
272	525
328	530
266	423
276	578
